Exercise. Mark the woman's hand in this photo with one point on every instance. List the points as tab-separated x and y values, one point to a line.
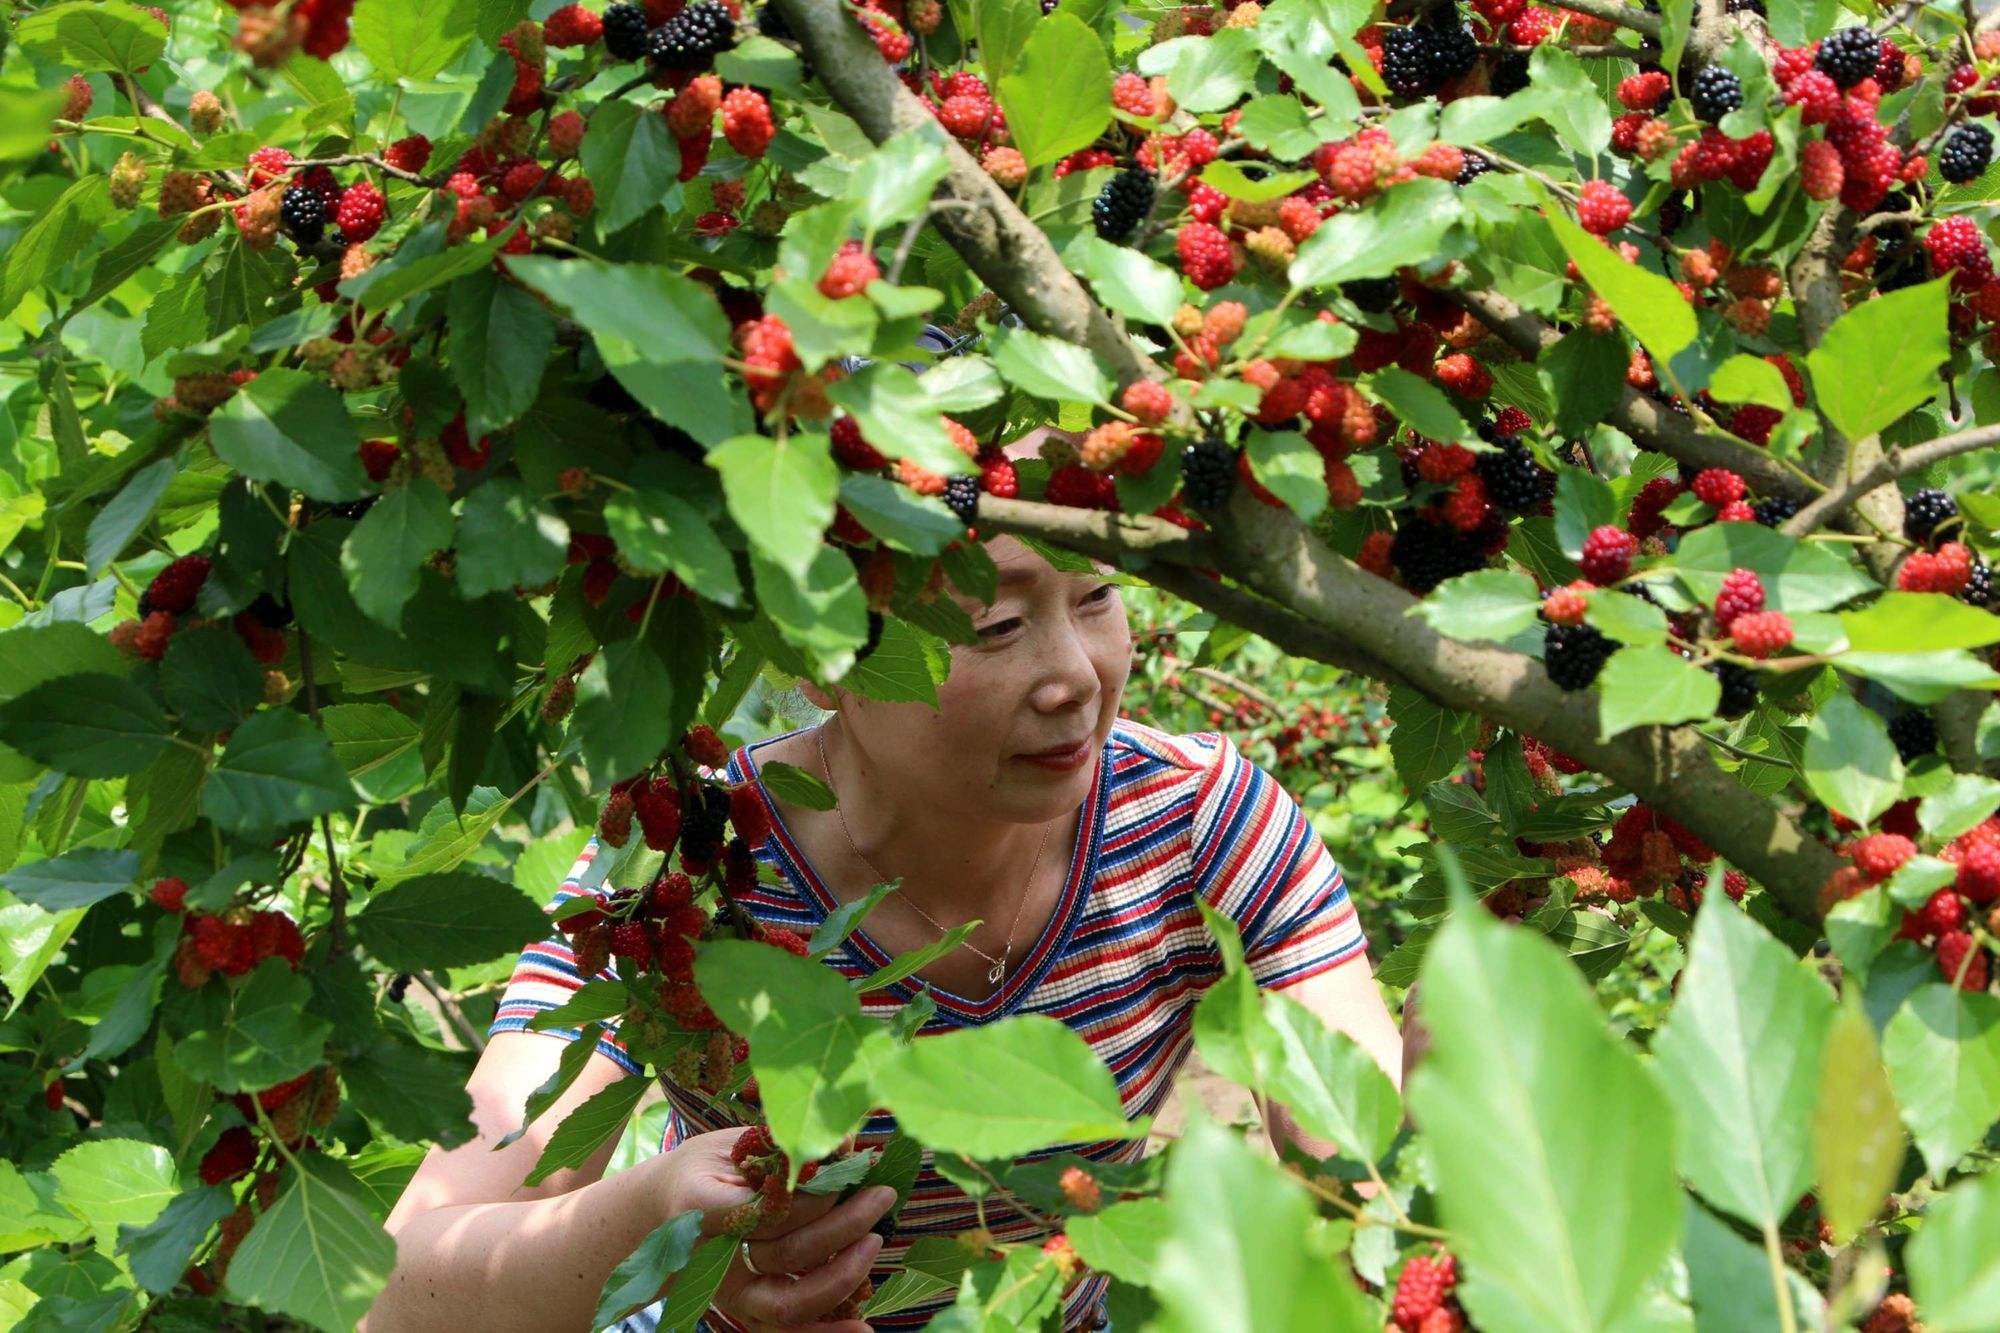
807	1262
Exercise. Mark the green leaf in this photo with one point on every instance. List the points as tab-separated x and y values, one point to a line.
109	1183
499	338
508	538
318	1255
659	532
1545	1133
1127	281
1881	359
1644	302
1427	741
1570	101
1405	225
49	241
1918	622
780	494
1729	1280
692	1293
1857	1138
805	1031
639	1275
762	63
29	941
421	263
899	416
210	679
276	771
1003	1089
1286	464
411	1092
126	512
159	1251
1959	807
1421	404
1943	1053
824	613
1584	375
1243	1253
291	428
88	725
1849	762
1643	685
377	746
1224	175
1739	1055
96	35
75	879
1332	1087
1058	95
917	524
1798	576
410	43
625	702
1492	604
394	539
1954	1264
448	920
894	183
1124	1239
796	786
584	1130
916	960
906	666
260	1034
630	155
1050	368
1750	379
1212	73
1004	27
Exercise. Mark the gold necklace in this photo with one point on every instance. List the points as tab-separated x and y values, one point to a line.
998	972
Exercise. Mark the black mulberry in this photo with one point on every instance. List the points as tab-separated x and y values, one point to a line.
1125	199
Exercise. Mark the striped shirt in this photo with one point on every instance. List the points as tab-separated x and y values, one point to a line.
1122	961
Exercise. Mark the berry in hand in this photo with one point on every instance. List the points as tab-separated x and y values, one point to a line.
1965	154
1716	93
1849	56
1574	654
1124	200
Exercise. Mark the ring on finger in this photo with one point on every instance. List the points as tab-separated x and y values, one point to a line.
743	1250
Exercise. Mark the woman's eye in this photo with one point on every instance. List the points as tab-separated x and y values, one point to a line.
999	627
1101	593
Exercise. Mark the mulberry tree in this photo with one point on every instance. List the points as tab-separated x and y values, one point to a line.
430	429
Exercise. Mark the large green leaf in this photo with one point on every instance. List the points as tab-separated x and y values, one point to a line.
1881	358
1058	95
1797	576
1729	1280
1332	1087
1739	1055
639	1275
1285	463
1919	622
110	1183
159	1251
625	701
499	338
90	725
631	157
127	512
806	1033
664	316
658	532
1406	225
1943	1053
447	836
780	493
1850	763
1244	1253
1127	281
259	1034
377	746
1643	685
1048	367
453	919
318	1255
276	771
210	679
1002	1090
75	879
508	538
584	1130
1556	1180
1644	302
1954	1264
894	183
1491	604
1857	1139
411	42
393	540
292	428
96	35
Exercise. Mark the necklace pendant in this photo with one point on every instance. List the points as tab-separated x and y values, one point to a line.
994	973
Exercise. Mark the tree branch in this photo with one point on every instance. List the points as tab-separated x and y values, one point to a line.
1887	467
1098	532
1658	428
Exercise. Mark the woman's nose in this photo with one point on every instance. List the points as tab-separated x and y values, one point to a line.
1068	673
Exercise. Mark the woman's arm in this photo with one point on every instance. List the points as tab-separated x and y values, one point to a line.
477	1247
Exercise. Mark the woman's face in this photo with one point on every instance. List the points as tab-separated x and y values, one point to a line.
1025	711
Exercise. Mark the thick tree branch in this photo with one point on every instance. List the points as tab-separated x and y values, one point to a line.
1099	533
1896	462
1652	425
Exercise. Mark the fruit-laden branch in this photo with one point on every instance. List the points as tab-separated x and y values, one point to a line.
1650	423
1318	604
1365	618
1010	254
1897	462
1611	11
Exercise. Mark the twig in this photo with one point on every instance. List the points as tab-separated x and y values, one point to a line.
1895	462
453	1014
374	160
336	884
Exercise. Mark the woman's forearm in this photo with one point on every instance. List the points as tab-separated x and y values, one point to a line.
535	1266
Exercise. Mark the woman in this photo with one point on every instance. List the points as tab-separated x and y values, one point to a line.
1079	841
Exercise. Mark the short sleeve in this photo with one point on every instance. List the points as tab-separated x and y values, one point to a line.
1258	861
546	974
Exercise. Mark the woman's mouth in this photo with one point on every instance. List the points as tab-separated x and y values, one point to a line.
1060	760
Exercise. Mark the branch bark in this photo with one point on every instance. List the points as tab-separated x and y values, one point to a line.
1298	592
1887	467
